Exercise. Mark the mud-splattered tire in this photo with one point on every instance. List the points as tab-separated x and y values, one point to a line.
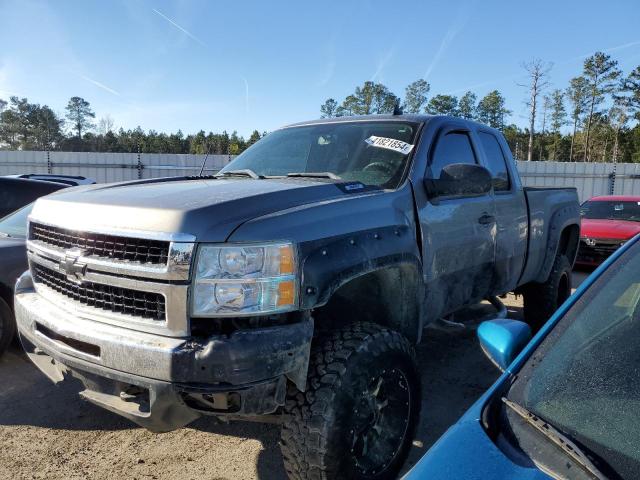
7	326
541	300
358	416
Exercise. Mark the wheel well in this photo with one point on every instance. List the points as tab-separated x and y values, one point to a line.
569	240
389	297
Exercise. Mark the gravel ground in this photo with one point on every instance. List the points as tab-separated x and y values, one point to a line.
49	432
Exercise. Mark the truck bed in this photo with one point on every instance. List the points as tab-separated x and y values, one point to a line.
545	204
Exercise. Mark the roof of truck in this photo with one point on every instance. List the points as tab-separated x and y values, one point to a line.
416	118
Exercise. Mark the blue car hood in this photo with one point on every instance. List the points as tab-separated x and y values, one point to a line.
466	452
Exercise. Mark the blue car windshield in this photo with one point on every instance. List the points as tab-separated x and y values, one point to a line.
585	377
371	152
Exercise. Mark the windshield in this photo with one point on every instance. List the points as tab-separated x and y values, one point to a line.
611	210
15	224
585	377
374	153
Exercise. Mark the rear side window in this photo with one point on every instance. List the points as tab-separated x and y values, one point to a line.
454	147
497	163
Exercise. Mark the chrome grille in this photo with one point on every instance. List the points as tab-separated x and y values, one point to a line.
101	245
147	305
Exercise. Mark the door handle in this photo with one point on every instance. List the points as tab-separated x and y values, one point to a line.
486	219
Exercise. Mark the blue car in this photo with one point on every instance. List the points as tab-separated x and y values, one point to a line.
568	402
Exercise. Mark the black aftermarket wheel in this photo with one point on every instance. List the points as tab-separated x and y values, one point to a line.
541	300
358	415
7	326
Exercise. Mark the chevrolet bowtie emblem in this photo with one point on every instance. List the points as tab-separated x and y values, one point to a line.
72	267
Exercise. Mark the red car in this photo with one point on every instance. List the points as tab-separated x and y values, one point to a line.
607	223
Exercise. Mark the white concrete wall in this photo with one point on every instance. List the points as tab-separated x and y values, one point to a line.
107	167
589	178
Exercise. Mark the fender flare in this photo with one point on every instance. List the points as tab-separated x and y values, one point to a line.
389	253
561	219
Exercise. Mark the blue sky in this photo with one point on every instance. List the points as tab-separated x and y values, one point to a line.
244	65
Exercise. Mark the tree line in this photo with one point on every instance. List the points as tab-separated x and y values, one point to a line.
31	126
594	118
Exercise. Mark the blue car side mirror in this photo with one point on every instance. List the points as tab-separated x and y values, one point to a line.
503	339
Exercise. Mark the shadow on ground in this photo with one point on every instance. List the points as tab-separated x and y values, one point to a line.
455	373
27	398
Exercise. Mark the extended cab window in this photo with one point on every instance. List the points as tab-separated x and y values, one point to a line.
497	163
453	147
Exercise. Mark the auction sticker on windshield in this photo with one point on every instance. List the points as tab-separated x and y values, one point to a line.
390	144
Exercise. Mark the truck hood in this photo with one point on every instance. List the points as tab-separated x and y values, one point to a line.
210	209
603	228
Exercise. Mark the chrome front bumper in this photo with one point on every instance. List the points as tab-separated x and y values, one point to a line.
162	383
54	329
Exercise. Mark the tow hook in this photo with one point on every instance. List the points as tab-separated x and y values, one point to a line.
131	393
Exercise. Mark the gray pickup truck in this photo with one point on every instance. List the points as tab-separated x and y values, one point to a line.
292	285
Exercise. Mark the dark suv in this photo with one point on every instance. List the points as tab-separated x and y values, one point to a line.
18	192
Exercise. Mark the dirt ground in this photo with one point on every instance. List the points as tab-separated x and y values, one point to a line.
49	432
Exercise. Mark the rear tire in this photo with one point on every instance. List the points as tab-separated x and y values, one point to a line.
358	416
7	326
541	300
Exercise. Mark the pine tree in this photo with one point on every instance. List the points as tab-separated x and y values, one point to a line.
467	106
558	118
415	96
602	74
491	110
79	113
443	105
631	87
328	108
371	98
577	95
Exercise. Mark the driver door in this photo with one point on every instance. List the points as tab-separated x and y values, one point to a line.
458	233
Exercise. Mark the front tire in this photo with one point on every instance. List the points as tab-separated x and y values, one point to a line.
358	416
7	326
541	300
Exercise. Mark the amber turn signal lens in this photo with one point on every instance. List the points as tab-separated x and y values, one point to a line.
286	293
286	260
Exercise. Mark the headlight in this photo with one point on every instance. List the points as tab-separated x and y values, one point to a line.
244	279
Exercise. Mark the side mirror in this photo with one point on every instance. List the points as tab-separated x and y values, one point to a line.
503	339
460	179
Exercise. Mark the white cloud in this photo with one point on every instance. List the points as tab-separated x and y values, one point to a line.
382	63
456	27
100	85
444	44
182	29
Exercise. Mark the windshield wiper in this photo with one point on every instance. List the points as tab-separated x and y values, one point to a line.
330	175
245	172
5	235
563	442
